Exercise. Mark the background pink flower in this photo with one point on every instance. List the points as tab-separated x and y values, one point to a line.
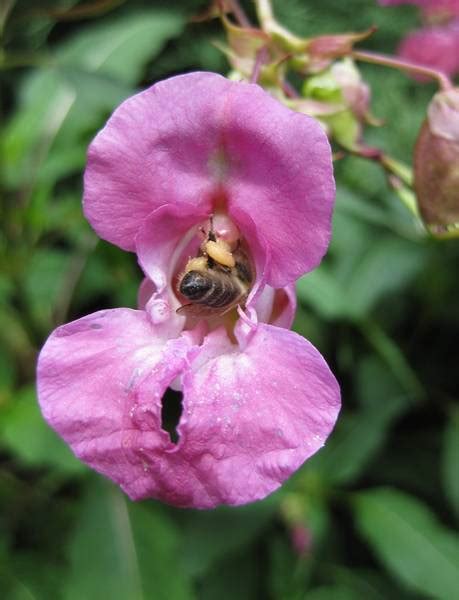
436	47
450	7
437	44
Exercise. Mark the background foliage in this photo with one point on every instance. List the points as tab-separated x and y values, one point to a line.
376	509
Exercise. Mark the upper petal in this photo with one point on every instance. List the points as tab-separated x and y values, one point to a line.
281	175
199	139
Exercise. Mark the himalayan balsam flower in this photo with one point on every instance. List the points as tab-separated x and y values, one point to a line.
437	44
258	399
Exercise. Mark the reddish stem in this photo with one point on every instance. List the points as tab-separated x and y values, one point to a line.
238	13
404	65
289	90
262	55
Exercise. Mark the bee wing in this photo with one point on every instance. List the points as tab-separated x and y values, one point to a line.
198	310
202	311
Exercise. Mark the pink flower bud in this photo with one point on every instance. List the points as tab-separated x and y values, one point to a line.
436	161
355	91
301	539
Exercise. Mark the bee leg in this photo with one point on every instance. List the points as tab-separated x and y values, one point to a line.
211	235
183	308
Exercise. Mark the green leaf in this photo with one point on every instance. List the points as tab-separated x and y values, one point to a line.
63	105
408	539
363	268
368	584
387	266
122	550
330	592
7	373
390	352
321	290
287	574
32	576
44	282
359	436
220	582
121	47
351	204
24	432
14	335
451	460
210	536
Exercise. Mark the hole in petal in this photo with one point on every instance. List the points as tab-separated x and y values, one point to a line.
171	411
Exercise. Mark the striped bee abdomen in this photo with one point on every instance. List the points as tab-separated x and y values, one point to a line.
218	278
210	289
195	286
224	294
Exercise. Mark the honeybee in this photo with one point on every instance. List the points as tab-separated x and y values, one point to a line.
216	280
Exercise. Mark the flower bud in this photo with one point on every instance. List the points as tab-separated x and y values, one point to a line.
341	89
436	161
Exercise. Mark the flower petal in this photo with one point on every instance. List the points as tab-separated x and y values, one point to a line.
90	372
146	290
197	140
284	307
276	307
280	173
252	417
161	244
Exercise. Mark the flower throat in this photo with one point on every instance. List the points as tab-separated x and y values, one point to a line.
221	275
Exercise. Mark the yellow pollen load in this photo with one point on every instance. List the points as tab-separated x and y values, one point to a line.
197	264
220	253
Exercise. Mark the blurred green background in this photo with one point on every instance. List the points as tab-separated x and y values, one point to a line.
373	515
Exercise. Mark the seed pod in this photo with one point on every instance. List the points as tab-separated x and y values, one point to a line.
436	162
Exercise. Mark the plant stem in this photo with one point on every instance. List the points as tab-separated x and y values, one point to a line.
289	90
403	65
394	358
262	55
239	13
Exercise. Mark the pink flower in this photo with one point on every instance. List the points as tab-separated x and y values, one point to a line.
437	44
258	399
450	7
436	47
